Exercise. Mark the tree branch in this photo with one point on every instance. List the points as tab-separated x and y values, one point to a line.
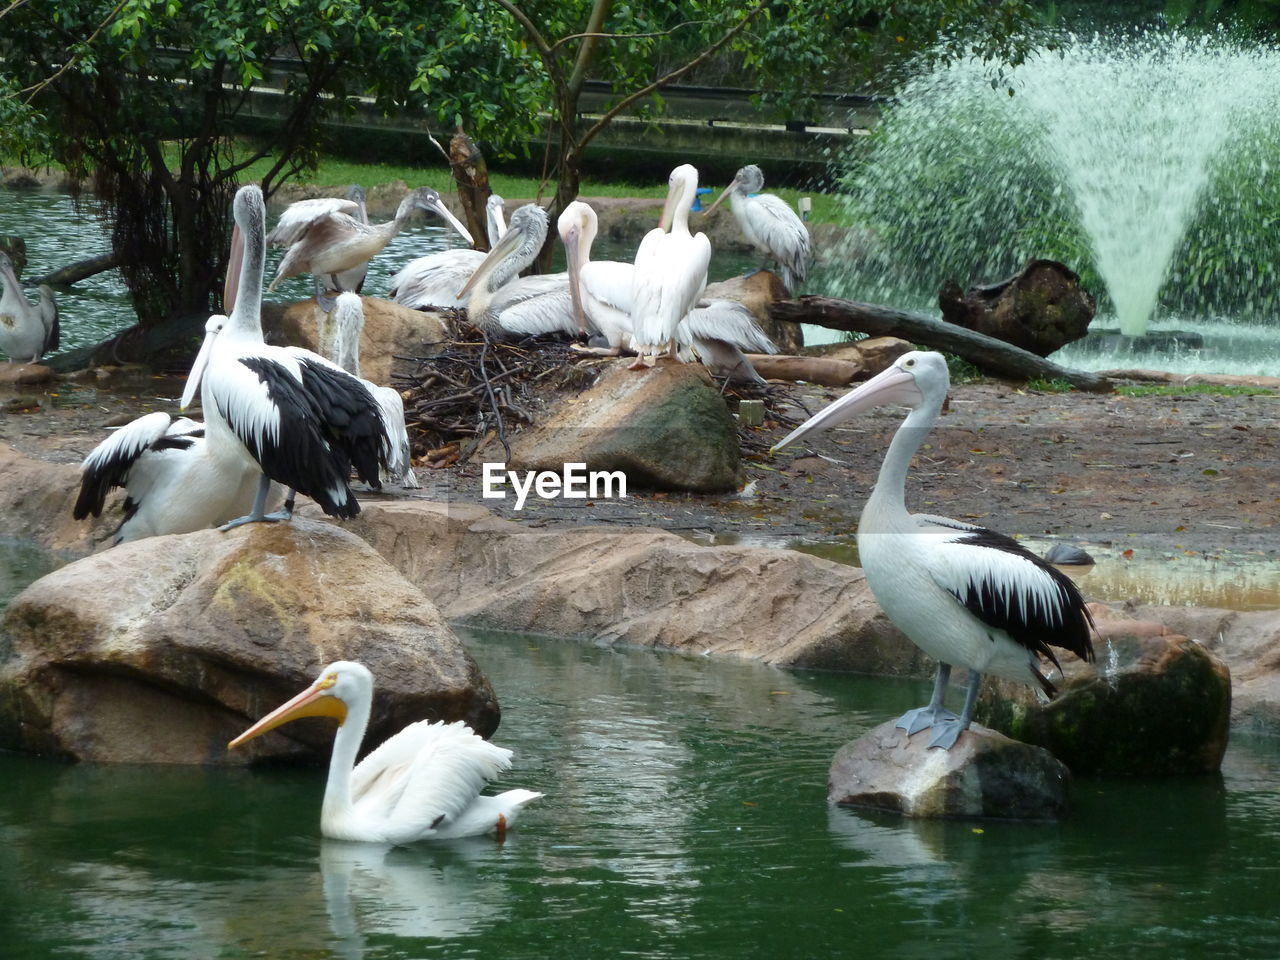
674	75
626	36
586	52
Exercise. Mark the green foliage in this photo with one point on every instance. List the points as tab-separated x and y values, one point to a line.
1192	390
1056	385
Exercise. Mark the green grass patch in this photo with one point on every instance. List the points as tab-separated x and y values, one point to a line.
1056	385
1191	389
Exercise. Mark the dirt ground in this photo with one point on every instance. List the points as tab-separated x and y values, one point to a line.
1197	472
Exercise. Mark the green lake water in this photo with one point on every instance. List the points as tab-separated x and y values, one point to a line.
685	816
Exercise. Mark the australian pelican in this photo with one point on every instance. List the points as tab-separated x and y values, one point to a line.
504	304
434	280
670	271
302	419
965	595
340	342
27	331
423	783
336	241
769	224
718	331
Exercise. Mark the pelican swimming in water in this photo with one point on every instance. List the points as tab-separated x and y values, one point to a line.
340	342
298	217
435	279
336	241
963	594
769	224
505	305
27	331
670	271
423	783
717	331
302	419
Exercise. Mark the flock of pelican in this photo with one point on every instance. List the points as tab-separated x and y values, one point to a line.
286	419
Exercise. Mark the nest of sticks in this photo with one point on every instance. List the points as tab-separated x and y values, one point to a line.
475	391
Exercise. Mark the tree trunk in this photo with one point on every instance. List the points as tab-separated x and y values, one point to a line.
987	353
471	174
65	276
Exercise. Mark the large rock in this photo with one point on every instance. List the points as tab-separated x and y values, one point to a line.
665	427
638	587
163	649
15	376
984	775
390	330
36	499
1041	308
1154	704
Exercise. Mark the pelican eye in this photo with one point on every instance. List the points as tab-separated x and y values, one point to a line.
909	363
327	682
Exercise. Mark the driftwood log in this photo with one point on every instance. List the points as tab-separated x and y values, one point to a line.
986	353
65	276
826	371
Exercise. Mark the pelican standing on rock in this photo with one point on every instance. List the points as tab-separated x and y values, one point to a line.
27	331
305	421
670	271
965	595
435	279
336	241
502	303
423	783
769	224
340	342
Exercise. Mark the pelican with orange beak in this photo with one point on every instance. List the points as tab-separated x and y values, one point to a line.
423	783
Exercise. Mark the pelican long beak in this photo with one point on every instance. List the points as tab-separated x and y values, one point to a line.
234	262
573	259
509	242
197	370
668	210
437	206
724	193
889	387
315	701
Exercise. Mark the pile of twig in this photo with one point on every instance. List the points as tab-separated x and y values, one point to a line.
474	391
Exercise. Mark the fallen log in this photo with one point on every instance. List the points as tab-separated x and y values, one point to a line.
71	273
827	371
986	353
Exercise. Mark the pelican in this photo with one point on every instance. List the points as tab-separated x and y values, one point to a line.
423	783
670	270
434	280
503	304
769	224
718	331
298	217
340	341
302	419
338	241
175	480
27	331
963	594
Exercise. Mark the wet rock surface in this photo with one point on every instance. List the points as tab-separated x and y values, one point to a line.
666	427
163	649
1154	704
985	775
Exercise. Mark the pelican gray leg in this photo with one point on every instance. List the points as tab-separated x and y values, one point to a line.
913	721
948	731
259	512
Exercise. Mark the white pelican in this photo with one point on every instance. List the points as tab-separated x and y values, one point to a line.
769	224
27	331
304	420
423	783
175	480
670	270
718	331
298	216
504	304
434	280
963	594
336	241
340	342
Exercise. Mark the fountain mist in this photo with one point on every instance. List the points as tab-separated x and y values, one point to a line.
1137	161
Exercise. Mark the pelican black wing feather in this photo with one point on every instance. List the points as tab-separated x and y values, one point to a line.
1043	611
326	421
113	471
